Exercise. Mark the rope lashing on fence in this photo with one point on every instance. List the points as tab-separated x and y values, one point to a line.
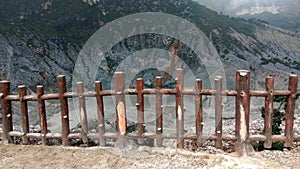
242	138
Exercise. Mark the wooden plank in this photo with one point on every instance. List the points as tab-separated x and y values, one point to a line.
140	109
82	111
290	110
24	113
101	123
179	109
7	123
218	112
242	111
158	112
199	111
269	110
62	88
42	114
121	121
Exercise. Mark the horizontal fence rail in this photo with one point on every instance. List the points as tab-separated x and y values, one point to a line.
242	95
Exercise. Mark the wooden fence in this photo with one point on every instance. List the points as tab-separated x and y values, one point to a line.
242	95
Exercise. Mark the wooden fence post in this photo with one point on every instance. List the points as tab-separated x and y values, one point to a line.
82	110
242	111
42	113
218	112
158	110
199	110
290	110
269	110
140	109
24	112
62	89
179	109
101	123
7	124
121	121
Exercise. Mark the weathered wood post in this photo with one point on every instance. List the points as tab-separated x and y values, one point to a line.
199	110
242	111
269	111
179	109
82	110
121	121
218	111
140	109
7	124
290	110
158	110
62	89
100	113
42	113
24	113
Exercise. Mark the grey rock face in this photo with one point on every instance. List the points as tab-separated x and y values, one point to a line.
34	61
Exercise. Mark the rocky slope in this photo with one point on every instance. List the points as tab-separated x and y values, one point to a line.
40	39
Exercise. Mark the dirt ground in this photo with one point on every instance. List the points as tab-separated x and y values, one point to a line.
37	156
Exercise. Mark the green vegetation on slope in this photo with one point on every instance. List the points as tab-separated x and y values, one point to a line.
76	21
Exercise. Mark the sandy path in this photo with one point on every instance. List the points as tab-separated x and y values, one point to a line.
19	156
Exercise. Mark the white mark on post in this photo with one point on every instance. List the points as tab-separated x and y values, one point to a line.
121	117
243	127
270	115
82	114
179	113
243	72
